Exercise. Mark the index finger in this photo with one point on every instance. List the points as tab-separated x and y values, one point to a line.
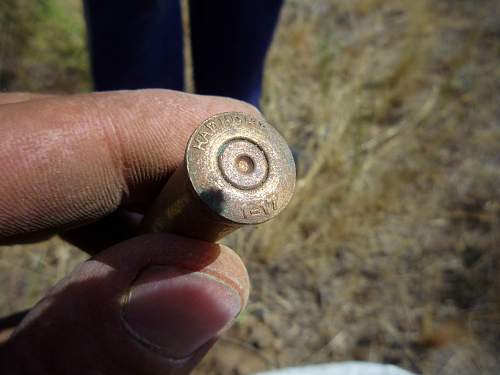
71	160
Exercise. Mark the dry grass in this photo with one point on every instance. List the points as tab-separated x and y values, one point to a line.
390	250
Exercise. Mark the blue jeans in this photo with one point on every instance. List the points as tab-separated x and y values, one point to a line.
138	44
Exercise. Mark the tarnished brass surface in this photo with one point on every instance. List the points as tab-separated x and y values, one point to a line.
237	170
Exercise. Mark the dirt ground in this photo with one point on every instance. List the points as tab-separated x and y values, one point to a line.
390	249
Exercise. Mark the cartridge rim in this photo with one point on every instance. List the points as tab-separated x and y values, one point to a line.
241	167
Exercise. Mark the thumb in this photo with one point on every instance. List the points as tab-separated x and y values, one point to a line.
151	305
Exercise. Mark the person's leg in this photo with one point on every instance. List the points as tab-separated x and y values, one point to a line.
230	40
135	43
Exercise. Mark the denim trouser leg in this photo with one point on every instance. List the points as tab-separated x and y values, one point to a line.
138	44
230	39
135	44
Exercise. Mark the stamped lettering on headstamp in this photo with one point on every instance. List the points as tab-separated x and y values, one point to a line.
262	208
219	123
204	134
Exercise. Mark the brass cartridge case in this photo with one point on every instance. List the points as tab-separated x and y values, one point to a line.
237	170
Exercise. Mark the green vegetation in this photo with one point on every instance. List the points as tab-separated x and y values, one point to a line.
42	46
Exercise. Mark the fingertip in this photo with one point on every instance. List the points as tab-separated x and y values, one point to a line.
230	268
175	311
164	249
175	294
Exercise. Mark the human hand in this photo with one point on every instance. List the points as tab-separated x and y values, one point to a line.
152	304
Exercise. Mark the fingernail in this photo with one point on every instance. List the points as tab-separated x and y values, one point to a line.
178	311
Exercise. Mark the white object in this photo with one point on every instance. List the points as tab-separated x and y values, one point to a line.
342	368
